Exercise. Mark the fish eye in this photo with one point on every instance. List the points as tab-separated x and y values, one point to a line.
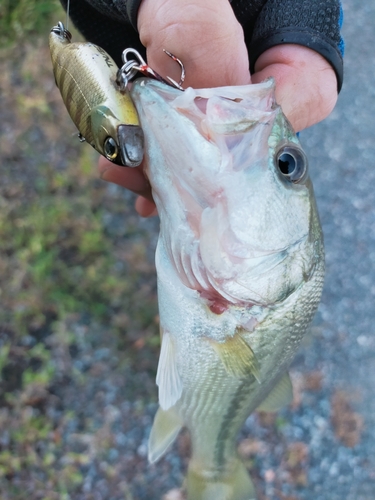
110	148
292	162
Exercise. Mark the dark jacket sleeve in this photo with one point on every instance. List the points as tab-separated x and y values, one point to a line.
112	24
312	23
107	24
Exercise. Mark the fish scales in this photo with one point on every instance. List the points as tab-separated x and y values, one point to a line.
203	407
240	265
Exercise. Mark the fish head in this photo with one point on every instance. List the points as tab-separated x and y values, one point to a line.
231	184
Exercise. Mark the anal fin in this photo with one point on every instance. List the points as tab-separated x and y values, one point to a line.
167	378
281	395
237	356
166	426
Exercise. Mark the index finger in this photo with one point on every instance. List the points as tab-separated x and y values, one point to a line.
128	178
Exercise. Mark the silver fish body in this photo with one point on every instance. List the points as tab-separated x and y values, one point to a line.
240	265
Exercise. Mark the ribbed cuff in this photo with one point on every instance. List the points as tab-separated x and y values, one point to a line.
132	7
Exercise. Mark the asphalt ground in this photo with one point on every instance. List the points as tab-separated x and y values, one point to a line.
342	158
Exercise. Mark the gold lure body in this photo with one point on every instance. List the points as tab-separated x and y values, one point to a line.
100	108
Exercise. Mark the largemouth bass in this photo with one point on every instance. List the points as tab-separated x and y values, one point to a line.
240	266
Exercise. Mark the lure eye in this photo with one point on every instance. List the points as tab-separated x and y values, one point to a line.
110	148
292	163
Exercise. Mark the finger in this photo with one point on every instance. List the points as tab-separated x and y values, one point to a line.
306	84
206	36
129	178
145	207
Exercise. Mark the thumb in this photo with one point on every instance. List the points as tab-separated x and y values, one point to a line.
205	36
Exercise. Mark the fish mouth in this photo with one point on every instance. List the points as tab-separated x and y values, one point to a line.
131	143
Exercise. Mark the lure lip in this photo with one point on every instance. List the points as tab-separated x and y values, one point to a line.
131	144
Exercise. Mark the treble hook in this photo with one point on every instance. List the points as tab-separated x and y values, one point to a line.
182	77
132	66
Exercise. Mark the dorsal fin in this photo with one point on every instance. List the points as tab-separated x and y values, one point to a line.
166	426
281	395
167	378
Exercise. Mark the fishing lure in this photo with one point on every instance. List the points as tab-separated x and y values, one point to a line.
97	101
95	93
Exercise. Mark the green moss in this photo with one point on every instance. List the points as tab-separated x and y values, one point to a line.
21	18
4	356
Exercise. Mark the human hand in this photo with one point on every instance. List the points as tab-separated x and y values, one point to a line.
210	42
207	37
306	84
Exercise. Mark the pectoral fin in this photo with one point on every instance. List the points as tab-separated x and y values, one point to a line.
237	357
167	378
165	429
281	395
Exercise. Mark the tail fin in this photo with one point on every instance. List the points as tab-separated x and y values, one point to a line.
237	486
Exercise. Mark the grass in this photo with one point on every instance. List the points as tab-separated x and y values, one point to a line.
58	257
54	245
72	256
21	19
